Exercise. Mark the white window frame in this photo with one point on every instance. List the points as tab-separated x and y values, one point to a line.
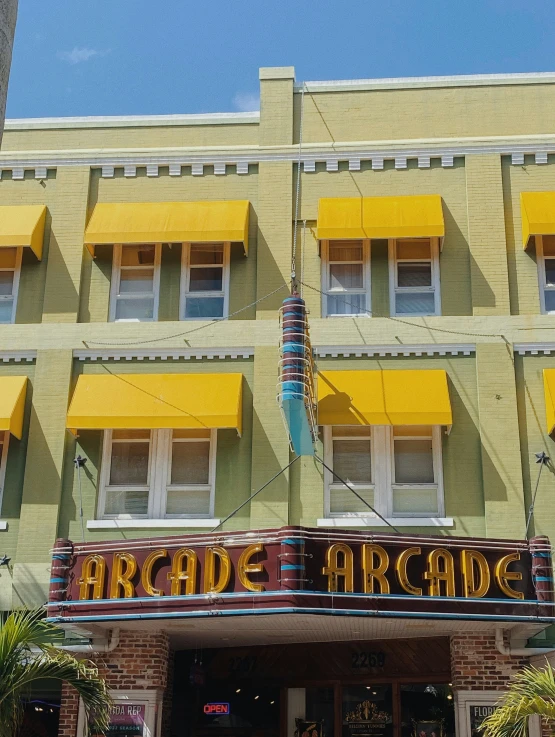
540	258
184	292
3	463
150	698
15	288
394	289
435	437
159	468
115	283
366	278
383	469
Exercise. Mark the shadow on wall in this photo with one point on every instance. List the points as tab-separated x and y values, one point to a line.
455	268
60	297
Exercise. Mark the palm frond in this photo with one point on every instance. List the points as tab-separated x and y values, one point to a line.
531	692
21	634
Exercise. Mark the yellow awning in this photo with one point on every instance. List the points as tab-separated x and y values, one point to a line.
23	225
156	401
403	397
418	216
538	214
549	391
12	404
168	222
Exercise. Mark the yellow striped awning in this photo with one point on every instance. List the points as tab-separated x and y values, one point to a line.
156	401
384	397
408	216
12	404
538	214
23	225
168	222
549	391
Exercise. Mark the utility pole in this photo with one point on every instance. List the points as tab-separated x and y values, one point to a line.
8	17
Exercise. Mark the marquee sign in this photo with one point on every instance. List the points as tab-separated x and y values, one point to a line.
302	568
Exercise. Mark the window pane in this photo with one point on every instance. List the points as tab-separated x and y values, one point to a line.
549	300
136	280
343	501
207	307
346	304
414	462
135	309
190	462
129	465
408	249
7	258
6	308
550	272
410	274
188	502
415	304
137	255
206	254
6	282
208	279
120	501
415	501
345	251
351	460
346	276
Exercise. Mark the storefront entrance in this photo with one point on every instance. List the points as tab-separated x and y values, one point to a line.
344	689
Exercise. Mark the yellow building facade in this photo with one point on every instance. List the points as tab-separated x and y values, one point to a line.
143	262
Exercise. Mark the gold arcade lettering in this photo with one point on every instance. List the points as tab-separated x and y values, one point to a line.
369	569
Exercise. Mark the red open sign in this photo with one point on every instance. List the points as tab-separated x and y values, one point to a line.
217	708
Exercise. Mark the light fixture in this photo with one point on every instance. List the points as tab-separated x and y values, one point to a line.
238	690
449	696
368	688
449	684
256	697
374	692
272	702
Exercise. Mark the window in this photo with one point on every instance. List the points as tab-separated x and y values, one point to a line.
205	281
545	254
396	470
346	278
135	283
10	269
157	474
414	277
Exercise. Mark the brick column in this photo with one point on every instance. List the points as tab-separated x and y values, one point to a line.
141	661
477	665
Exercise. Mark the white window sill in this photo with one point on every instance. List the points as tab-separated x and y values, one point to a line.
3	525
377	522
146	524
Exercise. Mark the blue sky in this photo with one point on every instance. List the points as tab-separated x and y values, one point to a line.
132	57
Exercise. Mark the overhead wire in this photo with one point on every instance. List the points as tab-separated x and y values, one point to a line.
361	498
187	332
297	197
251	497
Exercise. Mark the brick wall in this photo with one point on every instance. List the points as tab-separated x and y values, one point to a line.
141	661
477	665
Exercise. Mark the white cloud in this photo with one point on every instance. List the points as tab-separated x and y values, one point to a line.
78	55
246	102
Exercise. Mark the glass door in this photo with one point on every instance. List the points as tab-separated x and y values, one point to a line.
367	711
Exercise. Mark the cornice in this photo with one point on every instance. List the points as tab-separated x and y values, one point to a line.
132	121
238	159
371	351
163	354
400	83
534	349
18	356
